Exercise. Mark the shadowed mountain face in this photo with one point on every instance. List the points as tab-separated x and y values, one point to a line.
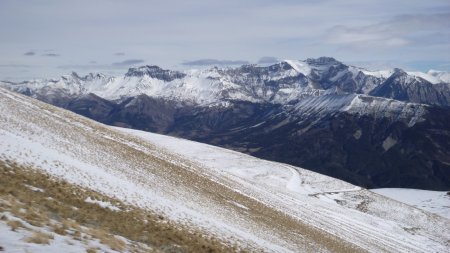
403	87
312	114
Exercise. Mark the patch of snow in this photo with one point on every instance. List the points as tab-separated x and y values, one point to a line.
299	66
35	189
357	135
239	205
437	202
410	113
388	143
257	125
380	74
104	204
295	183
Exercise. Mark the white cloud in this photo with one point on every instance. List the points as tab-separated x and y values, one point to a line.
268	60
212	62
399	31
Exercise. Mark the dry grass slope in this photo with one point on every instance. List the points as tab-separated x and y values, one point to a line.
66	204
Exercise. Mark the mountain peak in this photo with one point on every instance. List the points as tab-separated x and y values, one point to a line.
322	61
399	71
154	72
74	74
143	70
93	76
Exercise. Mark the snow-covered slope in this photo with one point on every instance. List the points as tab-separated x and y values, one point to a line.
432	201
239	199
410	113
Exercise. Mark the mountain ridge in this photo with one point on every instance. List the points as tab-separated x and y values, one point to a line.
279	83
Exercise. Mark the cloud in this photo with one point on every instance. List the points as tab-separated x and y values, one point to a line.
15	66
268	60
236	29
209	62
94	66
50	55
400	31
83	66
127	63
427	65
29	53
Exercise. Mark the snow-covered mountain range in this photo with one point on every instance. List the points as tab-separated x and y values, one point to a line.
371	128
282	83
202	192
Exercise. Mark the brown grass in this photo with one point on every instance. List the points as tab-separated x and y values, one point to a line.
39	238
132	223
91	250
71	224
59	229
14	224
108	239
76	235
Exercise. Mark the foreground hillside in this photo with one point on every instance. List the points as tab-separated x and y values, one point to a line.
69	181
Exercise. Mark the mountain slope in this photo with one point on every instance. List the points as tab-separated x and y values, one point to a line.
431	201
242	201
402	86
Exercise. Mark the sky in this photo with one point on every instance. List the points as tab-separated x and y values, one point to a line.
48	38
